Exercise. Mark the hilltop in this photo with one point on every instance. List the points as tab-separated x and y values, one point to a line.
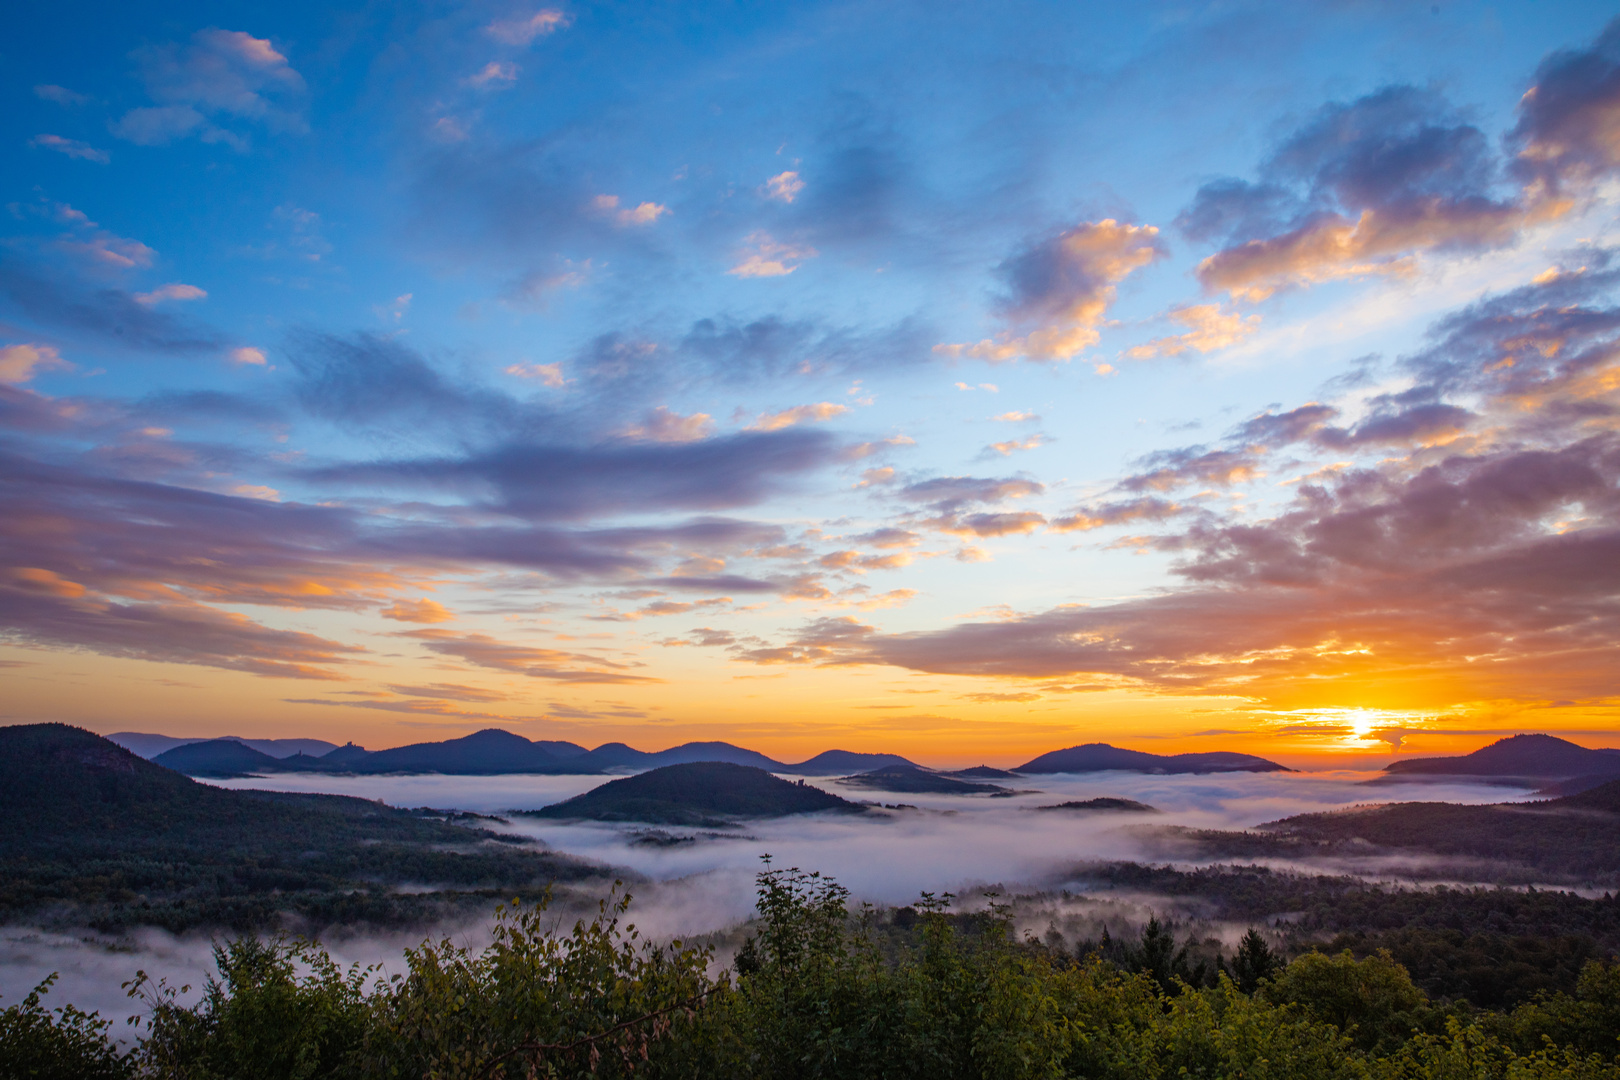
106	837
1541	756
489	752
1100	757
914	780
697	793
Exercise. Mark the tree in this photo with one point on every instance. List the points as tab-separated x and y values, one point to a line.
1254	961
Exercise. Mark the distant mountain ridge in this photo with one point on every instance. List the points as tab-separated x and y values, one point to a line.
489	752
494	751
1519	755
150	746
1101	757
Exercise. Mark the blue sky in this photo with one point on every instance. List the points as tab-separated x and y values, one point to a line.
793	373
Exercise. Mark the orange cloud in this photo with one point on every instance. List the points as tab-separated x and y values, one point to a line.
799	414
19	363
769	257
1061	291
1208	328
417	611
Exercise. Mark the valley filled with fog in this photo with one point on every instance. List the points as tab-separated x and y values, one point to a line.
692	881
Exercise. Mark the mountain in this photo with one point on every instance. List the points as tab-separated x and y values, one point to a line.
219	759
484	753
697	793
93	833
838	762
1520	755
150	746
1100	757
1104	805
983	772
620	756
914	780
344	755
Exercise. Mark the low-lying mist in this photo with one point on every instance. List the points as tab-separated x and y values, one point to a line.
691	882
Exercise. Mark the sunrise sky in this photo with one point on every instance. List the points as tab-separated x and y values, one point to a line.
958	381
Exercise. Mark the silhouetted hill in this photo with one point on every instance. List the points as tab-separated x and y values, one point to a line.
620	756
1575	839
344	754
1104	805
835	762
913	780
697	793
87	824
1520	755
220	758
983	772
484	753
150	746
1100	757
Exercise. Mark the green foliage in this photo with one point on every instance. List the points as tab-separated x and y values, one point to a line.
819	991
56	1044
261	1019
598	999
1372	1001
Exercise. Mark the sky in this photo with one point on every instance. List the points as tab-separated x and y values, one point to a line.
961	381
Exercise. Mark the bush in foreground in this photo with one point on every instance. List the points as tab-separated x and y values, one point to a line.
812	995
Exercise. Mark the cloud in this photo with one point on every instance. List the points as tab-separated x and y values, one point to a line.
450	692
545	374
948	494
642	214
1568	131
784	186
767	257
102	315
171	291
417	611
160	125
73	148
495	75
45	609
247	354
524	29
1017	417
1208	328
1166	470
1475	557
219	73
484	651
664	425
1359	190
798	414
1060	291
19	363
1007	447
1116	513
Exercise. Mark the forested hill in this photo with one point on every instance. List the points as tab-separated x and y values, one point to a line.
1100	757
698	793
1520	755
1575	839
104	837
63	785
